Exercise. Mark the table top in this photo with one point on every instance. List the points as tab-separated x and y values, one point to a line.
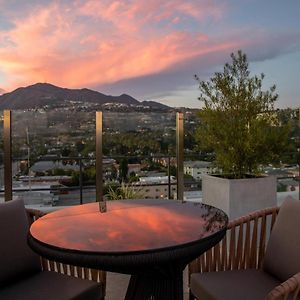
128	226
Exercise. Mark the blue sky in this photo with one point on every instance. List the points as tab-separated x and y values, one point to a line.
148	49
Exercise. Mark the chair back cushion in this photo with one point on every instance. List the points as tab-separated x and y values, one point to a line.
17	260
282	258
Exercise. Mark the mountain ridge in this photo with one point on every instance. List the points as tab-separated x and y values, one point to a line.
41	94
2	91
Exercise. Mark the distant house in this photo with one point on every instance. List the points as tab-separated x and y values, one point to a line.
197	168
164	161
291	185
278	172
45	166
156	187
192	196
136	168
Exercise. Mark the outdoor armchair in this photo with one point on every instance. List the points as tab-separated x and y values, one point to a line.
24	275
259	258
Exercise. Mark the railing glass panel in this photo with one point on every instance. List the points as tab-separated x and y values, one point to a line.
53	156
138	149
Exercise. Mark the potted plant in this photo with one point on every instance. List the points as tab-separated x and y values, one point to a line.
238	124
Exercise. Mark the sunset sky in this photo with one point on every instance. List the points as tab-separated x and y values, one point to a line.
149	49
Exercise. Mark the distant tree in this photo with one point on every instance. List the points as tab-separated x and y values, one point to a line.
59	172
113	172
173	171
89	147
289	116
133	177
238	121
65	151
281	187
188	176
75	178
123	169
79	146
88	176
189	140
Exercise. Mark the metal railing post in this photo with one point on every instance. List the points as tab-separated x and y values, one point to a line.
179	155
169	177
80	180
299	178
299	156
99	157
7	155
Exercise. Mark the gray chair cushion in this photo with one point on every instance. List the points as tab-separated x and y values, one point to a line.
248	284
282	258
16	258
52	286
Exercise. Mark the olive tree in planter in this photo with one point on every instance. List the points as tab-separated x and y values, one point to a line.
239	124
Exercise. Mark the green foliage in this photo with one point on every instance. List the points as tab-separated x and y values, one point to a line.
79	146
61	172
173	171
281	187
124	191
65	151
88	176
133	177
89	147
153	166
123	169
188	176
238	122
290	117
129	143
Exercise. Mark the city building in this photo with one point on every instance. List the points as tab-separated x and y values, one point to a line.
197	168
156	187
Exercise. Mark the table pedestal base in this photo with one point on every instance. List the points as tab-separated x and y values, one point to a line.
149	288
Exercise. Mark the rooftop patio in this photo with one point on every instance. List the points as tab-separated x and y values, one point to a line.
116	284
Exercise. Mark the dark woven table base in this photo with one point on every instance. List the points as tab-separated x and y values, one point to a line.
150	288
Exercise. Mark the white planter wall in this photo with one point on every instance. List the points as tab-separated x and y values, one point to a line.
238	197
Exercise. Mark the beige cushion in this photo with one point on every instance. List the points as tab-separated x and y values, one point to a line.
232	285
282	258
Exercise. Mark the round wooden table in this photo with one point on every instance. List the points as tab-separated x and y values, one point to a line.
153	240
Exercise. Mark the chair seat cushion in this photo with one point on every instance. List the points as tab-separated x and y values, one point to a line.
50	286
230	285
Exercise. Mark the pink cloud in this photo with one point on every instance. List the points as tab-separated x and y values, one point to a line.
132	14
101	42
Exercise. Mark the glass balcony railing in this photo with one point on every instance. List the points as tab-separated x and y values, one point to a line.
1	152
54	157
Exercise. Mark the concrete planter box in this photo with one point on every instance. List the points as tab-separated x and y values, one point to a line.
238	197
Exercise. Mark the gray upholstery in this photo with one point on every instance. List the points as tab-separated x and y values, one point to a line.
51	286
16	258
282	258
248	284
21	277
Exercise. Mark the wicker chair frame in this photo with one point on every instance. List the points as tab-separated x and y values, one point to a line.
244	247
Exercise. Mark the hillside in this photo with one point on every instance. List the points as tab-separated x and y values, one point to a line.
41	94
